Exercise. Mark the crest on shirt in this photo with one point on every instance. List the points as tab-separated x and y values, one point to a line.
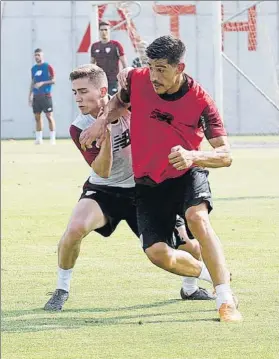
38	73
107	49
97	50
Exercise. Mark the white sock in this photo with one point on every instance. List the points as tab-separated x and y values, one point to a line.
52	135
190	285
205	274
224	295
64	278
39	135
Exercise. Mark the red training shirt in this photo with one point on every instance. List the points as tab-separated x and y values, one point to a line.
160	122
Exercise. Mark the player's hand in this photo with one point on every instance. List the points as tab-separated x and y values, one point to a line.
96	131
37	85
99	141
180	158
122	77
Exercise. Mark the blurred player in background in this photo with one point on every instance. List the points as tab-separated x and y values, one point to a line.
141	60
108	195
42	79
106	54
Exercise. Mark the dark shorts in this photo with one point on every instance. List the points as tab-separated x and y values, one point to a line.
116	203
157	206
42	103
112	87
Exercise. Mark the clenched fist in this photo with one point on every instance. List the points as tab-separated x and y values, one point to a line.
180	158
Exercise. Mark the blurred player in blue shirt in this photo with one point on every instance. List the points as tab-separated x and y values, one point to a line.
43	77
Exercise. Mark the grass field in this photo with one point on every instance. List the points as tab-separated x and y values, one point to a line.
114	287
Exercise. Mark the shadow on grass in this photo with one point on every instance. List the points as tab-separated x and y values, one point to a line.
36	320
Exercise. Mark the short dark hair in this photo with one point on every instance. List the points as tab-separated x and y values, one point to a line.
104	23
166	47
38	50
93	72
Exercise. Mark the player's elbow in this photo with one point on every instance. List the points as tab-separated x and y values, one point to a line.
102	172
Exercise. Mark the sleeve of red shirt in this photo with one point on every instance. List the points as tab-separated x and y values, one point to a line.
91	153
120	48
211	122
51	71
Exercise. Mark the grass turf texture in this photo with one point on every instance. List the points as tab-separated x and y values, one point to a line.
121	306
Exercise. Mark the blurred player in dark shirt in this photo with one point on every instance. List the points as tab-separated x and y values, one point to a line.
107	53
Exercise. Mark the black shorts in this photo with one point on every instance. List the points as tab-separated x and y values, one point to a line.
116	204
157	206
42	103
112	87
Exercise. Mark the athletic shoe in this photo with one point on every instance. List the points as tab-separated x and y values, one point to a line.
57	300
229	314
199	294
38	142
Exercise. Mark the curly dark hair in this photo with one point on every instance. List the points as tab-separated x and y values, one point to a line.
166	47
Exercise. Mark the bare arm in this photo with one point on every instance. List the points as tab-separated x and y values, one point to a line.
123	61
98	158
103	162
49	82
115	108
219	157
52	78
30	96
31	88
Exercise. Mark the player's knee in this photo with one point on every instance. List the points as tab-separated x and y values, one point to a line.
160	254
196	218
49	116
76	231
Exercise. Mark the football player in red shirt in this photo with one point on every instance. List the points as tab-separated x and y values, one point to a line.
109	193
171	114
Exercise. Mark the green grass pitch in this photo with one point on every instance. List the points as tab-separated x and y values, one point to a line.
121	306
